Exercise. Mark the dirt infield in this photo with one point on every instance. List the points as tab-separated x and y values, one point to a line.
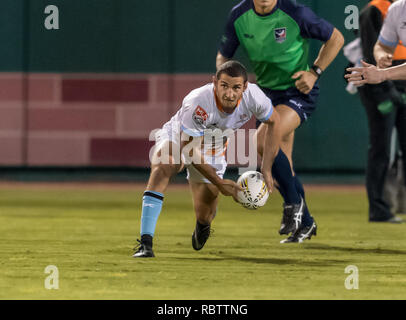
141	186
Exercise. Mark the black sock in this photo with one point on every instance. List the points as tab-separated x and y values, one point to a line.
306	219
146	239
200	226
282	173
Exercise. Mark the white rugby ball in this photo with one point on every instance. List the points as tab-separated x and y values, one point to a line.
255	192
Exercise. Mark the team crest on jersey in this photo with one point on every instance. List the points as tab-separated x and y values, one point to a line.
280	35
200	115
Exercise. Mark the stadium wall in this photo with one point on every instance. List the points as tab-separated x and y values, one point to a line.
89	93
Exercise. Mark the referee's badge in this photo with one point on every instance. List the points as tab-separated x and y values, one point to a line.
280	35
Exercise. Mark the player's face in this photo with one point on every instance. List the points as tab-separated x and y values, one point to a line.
229	90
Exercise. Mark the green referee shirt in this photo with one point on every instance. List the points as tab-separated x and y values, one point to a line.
276	43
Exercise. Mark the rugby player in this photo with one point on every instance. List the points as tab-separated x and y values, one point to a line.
227	103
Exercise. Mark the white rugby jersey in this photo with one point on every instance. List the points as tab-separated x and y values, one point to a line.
394	26
201	112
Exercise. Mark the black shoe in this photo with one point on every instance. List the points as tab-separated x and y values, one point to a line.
200	236
302	234
292	217
143	251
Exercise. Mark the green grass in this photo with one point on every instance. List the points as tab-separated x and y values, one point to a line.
89	234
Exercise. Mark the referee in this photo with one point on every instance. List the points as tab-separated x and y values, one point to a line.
275	36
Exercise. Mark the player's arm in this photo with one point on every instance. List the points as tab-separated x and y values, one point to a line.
388	39
271	148
191	149
373	75
395	73
383	53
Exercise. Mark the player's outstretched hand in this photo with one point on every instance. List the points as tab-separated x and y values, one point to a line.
366	74
305	81
229	188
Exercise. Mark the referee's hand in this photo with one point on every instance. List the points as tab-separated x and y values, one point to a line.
305	81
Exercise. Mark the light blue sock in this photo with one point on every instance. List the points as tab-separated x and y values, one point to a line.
151	208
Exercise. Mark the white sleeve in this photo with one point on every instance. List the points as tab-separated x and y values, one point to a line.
193	119
389	35
263	105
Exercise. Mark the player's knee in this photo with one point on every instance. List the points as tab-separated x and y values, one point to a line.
164	170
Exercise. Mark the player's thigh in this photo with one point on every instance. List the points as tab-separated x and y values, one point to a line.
289	120
205	200
287	140
165	163
167	153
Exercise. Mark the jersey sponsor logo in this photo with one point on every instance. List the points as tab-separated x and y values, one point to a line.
280	35
200	115
249	36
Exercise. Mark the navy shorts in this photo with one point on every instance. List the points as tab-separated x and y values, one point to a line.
303	104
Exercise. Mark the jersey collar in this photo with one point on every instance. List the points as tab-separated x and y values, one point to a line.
267	14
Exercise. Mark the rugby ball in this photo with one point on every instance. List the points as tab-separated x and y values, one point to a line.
255	192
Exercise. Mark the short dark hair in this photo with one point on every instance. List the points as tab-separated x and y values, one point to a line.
233	69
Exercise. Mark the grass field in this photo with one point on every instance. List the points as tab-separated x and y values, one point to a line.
89	231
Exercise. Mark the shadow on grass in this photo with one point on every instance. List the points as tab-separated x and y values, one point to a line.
276	261
353	250
64	203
